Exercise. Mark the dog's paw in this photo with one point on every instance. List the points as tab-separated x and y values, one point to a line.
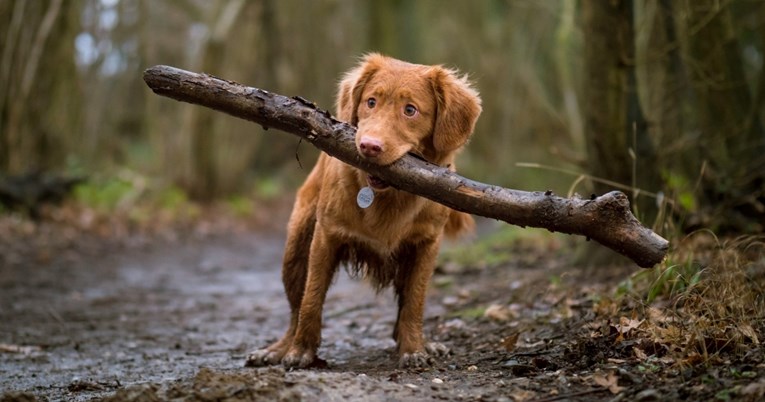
298	357
437	349
262	357
423	358
415	360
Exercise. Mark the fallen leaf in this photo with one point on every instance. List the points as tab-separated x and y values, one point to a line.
693	359
639	354
755	389
522	395
669	334
497	312
627	324
610	382
657	315
605	307
84	386
25	350
667	360
509	342
749	332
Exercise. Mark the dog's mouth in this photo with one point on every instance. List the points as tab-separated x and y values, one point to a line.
377	183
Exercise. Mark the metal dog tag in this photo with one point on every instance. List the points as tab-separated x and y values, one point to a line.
365	197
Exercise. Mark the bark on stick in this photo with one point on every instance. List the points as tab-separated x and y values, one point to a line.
606	219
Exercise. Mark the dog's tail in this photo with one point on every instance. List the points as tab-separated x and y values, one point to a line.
459	224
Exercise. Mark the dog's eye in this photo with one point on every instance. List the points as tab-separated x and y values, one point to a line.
410	110
371	102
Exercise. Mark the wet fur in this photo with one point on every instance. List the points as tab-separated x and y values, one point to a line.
395	241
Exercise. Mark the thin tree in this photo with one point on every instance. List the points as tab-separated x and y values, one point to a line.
618	147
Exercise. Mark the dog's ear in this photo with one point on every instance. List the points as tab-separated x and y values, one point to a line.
352	86
458	107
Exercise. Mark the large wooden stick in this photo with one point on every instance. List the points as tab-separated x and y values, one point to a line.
606	219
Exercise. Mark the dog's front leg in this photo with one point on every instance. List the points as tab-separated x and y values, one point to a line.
322	264
411	289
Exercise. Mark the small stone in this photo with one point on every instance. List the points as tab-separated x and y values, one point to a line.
450	301
472	367
438	381
455	323
648	395
411	386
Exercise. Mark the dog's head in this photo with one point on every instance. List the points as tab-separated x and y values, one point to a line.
400	107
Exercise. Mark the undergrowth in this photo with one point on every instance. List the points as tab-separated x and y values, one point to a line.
705	302
127	202
510	244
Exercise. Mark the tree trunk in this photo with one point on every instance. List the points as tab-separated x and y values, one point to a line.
394	28
38	116
203	182
731	140
606	219
660	85
618	147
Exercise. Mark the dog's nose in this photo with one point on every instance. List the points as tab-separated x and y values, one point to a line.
370	147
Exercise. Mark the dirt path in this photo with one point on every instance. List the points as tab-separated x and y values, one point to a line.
188	311
88	326
174	319
158	314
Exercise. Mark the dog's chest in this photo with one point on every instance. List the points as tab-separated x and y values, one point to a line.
385	226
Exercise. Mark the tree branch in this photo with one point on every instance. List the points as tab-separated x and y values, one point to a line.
606	219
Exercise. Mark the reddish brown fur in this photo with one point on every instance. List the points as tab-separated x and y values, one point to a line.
395	241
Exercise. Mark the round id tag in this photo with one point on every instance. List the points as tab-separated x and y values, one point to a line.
365	197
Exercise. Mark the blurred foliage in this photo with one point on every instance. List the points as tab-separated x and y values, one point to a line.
173	198
664	97
105	196
499	247
489	251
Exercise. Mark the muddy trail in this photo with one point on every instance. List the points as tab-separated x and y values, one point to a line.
147	319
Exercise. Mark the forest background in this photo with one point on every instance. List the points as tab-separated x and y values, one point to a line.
661	99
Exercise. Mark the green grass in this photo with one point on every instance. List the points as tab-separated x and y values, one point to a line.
665	280
471	313
240	205
495	249
105	195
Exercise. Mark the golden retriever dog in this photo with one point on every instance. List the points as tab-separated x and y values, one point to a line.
343	215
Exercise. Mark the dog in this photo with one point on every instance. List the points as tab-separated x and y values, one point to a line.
398	108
